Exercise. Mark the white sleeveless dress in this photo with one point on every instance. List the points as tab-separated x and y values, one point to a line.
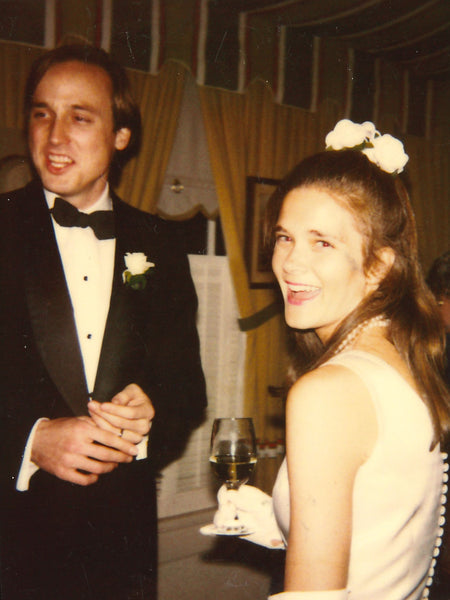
399	493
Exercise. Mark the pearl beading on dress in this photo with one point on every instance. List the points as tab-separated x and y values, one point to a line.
440	531
378	321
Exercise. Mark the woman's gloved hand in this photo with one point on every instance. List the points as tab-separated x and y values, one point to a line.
248	509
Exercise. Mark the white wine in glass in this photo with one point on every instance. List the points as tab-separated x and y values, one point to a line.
233	450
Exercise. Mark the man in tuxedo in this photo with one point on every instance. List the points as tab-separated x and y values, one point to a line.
100	367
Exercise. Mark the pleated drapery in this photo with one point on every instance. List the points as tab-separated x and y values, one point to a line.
251	135
15	63
159	98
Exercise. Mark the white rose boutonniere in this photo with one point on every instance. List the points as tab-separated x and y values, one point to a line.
137	269
385	151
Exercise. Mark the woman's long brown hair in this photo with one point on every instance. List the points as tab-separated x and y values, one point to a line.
380	205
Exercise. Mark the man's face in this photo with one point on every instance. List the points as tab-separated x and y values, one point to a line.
71	131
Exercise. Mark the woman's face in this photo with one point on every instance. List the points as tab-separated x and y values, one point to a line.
318	261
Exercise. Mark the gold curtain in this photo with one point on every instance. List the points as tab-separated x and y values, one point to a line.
429	172
224	114
15	63
251	135
159	98
280	136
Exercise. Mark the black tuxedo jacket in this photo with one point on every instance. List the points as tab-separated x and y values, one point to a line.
150	339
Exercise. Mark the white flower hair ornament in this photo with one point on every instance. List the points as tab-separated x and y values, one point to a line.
137	269
385	150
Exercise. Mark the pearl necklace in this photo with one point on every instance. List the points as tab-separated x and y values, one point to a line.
378	321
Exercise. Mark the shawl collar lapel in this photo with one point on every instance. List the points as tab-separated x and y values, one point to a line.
121	352
49	302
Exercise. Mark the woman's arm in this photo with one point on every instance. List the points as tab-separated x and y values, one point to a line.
331	430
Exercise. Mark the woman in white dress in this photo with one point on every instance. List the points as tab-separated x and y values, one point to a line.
359	499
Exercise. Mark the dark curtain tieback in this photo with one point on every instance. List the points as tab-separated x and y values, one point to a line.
101	221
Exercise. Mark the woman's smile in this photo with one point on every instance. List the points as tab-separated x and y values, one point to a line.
300	293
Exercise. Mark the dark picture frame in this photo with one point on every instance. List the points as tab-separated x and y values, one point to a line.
259	190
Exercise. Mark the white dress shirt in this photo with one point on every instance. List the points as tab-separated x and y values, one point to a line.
88	266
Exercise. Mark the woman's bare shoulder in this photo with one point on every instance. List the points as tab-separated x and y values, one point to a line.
329	384
334	403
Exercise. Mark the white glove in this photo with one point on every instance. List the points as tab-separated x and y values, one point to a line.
322	595
254	512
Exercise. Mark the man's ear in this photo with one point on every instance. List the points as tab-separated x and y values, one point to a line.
381	267
122	138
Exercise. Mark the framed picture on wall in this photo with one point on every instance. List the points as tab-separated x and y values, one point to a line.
259	190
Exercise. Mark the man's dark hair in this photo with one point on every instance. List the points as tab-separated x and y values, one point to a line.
438	277
125	110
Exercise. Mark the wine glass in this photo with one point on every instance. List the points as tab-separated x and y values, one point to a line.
232	457
233	450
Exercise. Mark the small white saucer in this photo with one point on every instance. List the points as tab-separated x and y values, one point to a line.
211	529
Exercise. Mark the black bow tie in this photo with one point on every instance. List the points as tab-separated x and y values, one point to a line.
100	221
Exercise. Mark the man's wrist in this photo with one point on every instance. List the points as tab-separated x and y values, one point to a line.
28	468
